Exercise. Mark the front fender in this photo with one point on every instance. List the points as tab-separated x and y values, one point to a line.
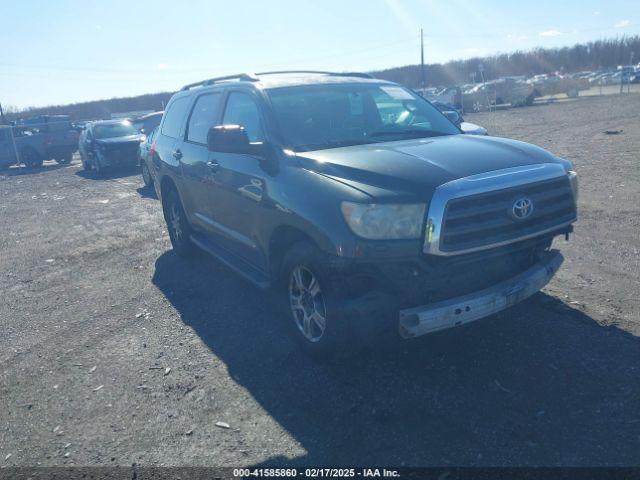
310	203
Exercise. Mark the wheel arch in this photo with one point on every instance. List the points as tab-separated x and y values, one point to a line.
280	240
165	186
27	149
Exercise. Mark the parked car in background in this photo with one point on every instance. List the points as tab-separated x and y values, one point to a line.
451	95
456	117
109	143
511	91
557	84
147	123
145	154
623	76
8	155
45	137
79	126
358	203
498	92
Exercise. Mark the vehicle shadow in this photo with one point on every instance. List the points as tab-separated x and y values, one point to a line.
110	174
147	192
17	170
539	384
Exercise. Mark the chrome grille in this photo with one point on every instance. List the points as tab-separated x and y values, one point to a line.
484	219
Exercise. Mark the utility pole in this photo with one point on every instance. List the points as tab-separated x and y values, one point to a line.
2	119
422	79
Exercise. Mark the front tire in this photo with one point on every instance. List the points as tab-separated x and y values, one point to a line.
177	225
530	99
573	93
312	302
98	169
66	159
86	166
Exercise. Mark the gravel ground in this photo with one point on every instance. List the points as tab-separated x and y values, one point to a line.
114	351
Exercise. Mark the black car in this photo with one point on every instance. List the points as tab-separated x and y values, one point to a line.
45	137
363	207
145	154
109	144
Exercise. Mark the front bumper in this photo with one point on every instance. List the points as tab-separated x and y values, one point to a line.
453	312
109	159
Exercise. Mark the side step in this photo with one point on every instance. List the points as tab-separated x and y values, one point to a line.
235	263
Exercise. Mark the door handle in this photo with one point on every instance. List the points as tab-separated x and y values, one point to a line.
177	154
213	166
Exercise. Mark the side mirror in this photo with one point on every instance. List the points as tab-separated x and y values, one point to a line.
473	129
453	116
231	139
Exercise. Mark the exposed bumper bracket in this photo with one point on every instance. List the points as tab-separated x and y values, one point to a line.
450	313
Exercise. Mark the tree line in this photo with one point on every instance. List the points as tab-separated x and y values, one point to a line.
599	54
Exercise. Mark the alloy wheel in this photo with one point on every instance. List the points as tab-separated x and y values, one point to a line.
175	221
307	303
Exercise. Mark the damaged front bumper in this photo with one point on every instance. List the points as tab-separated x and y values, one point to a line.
116	159
453	312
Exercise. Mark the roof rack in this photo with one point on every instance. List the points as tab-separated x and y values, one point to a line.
240	77
247	77
319	72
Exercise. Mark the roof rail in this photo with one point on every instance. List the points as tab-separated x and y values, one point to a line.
247	77
240	77
319	72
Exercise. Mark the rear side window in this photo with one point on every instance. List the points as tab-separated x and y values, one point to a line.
173	118
205	114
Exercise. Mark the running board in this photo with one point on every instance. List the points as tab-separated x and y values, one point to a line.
238	265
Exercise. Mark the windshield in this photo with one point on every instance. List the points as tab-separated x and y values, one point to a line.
314	117
111	130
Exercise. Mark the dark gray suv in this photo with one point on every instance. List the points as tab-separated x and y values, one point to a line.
358	202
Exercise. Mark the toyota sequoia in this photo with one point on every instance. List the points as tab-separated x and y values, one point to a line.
358	203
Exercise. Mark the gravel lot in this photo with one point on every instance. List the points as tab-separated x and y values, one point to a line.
114	351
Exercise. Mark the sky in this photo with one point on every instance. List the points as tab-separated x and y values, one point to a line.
57	52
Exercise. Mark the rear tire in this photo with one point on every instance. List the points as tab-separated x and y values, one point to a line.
312	302
177	225
31	158
146	175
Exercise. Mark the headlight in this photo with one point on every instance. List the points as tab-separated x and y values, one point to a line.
386	221
573	180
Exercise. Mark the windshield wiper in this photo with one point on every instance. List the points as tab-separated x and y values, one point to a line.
414	132
331	144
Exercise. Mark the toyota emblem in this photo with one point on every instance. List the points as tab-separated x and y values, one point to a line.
522	208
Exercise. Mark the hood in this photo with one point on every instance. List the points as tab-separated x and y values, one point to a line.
411	168
114	140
